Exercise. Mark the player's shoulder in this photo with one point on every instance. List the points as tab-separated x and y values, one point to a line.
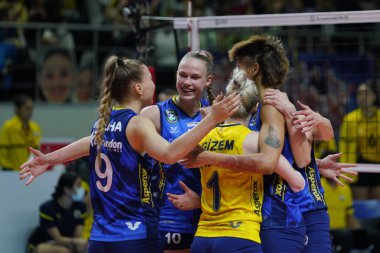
352	116
150	112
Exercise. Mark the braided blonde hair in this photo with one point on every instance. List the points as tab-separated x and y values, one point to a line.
119	74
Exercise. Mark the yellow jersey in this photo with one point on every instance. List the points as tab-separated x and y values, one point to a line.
360	137
231	201
14	142
339	203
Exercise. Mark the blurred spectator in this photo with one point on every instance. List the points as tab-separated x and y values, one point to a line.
57	76
81	167
17	134
360	140
12	40
85	88
37	11
166	94
324	148
61	219
95	11
342	220
114	15
59	37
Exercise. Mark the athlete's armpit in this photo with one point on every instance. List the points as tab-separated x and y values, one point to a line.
272	138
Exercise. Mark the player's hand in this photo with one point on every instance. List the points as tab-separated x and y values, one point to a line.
306	119
187	201
224	107
34	167
279	100
330	168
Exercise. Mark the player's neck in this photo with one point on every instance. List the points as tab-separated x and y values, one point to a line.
236	120
190	107
135	106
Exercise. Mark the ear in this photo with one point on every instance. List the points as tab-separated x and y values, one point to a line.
254	69
209	80
138	88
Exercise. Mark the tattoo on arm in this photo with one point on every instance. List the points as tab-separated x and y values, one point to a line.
272	138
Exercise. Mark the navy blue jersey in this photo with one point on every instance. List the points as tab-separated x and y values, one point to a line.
280	209
174	123
124	205
311	198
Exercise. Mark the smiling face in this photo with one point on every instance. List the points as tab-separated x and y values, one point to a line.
192	78
57	79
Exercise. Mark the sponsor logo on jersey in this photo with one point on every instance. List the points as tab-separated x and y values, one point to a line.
279	187
146	193
313	185
218	145
134	226
256	198
252	123
174	129
235	224
113	145
92	142
171	116
114	126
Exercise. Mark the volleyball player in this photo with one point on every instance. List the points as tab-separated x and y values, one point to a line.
312	201
232	200
264	60
172	118
121	180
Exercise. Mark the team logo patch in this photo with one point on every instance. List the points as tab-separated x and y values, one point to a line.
171	116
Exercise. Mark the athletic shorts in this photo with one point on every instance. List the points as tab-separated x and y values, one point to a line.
176	240
224	245
135	246
317	232
284	240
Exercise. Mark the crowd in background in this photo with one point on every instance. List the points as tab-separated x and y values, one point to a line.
59	65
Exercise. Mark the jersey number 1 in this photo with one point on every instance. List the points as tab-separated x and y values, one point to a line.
213	183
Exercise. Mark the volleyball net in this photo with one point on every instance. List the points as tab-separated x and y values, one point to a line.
330	54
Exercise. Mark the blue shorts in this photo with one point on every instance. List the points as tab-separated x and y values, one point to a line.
284	240
135	246
318	232
224	245
175	240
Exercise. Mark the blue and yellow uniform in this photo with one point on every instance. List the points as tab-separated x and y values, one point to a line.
125	210
313	206
282	217
231	201
177	228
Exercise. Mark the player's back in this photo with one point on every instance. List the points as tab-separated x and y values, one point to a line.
280	209
231	200
121	188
